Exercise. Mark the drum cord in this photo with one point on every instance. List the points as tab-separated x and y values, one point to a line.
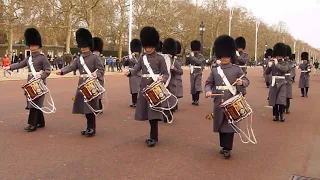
162	109
43	109
250	132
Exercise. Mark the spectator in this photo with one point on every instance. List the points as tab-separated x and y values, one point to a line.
5	63
67	59
14	59
316	67
59	62
110	61
20	59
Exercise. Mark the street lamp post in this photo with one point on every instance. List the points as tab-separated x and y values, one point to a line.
256	45
130	26
202	29
230	18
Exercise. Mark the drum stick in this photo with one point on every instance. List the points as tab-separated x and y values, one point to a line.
237	80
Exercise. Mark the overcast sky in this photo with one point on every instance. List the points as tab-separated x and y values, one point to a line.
301	16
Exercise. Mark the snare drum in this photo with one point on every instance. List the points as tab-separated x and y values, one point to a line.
156	93
91	89
236	108
35	88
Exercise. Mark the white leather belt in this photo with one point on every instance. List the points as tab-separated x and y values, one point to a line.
84	75
243	66
197	67
149	76
273	82
304	71
223	88
288	74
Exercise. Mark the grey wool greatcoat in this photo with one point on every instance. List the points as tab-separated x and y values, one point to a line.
196	76
134	80
40	63
289	79
304	76
242	60
172	86
277	93
93	62
267	77
293	70
102	78
179	78
232	72
158	65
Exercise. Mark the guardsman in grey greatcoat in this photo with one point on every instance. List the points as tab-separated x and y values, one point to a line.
131	61
97	50
242	58
94	64
277	91
268	77
197	62
224	50
149	37
43	70
293	71
179	75
305	74
289	80
169	50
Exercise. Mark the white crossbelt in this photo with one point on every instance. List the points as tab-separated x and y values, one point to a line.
150	76
288	74
304	71
243	66
84	75
273	82
223	88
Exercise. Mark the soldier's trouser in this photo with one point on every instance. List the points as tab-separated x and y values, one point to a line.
154	129
304	91
226	140
91	121
35	117
278	109
196	96
134	97
100	104
288	103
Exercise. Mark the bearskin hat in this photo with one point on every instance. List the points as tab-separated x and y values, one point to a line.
32	37
241	42
269	52
224	46
195	45
178	47
169	47
97	44
279	49
84	38
149	37
289	52
159	46
135	45
304	56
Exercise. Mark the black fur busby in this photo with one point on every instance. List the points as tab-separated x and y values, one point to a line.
224	46
169	47
241	42
289	52
149	37
279	49
159	46
97	44
135	45
265	55
178	47
304	56
195	45
269	52
84	38
32	37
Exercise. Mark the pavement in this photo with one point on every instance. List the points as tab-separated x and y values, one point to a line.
187	149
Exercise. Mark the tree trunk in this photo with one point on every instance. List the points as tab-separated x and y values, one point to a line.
69	25
10	40
90	23
120	46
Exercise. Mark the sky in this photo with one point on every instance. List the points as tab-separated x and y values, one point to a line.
302	17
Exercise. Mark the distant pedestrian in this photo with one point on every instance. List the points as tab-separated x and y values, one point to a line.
6	63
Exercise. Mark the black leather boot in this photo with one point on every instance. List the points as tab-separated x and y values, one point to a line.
30	128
